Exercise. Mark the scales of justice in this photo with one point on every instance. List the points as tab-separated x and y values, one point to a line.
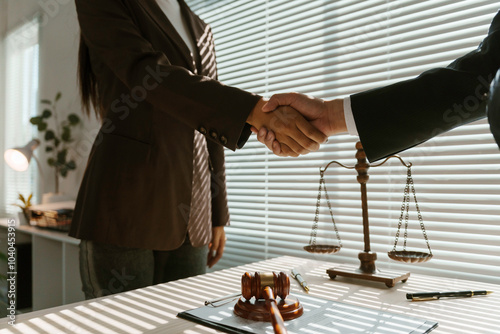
266	296
367	269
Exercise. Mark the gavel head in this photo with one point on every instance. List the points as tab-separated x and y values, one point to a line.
252	285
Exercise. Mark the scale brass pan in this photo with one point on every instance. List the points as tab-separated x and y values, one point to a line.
322	249
409	256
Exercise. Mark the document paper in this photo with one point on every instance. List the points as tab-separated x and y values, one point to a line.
320	316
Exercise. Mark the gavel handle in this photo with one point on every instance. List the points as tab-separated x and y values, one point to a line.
276	318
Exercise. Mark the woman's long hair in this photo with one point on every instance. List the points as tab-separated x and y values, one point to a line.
87	80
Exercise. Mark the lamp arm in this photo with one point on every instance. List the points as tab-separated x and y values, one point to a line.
42	183
38	165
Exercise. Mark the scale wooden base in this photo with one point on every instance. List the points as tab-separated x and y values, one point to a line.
368	271
255	309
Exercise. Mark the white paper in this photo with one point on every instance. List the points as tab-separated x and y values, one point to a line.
322	316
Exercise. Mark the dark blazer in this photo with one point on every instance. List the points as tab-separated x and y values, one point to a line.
405	114
136	191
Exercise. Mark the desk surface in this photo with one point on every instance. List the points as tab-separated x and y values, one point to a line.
154	309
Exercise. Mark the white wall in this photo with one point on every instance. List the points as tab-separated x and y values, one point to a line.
58	68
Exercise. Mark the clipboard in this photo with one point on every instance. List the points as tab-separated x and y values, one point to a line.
320	316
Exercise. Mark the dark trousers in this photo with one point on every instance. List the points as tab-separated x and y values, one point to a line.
108	269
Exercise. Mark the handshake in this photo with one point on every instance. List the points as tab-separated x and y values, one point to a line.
294	124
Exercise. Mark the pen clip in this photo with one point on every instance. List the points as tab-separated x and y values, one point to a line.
420	299
222	301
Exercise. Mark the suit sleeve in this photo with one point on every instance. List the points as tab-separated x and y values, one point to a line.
396	117
220	211
112	36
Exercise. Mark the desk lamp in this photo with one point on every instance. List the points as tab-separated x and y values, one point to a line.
18	158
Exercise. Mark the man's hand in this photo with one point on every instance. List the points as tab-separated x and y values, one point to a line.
216	246
291	129
327	116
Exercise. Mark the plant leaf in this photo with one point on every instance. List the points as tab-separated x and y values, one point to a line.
42	126
46	101
73	119
66	135
63	171
21	197
35	120
56	142
46	113
51	162
49	149
61	156
71	165
29	199
49	135
58	96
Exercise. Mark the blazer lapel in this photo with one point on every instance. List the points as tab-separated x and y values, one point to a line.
163	22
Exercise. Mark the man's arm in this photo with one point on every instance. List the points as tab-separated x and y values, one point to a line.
400	116
396	117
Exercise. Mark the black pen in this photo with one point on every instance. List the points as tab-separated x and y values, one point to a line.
436	295
302	282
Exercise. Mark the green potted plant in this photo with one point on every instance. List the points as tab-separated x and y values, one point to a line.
57	139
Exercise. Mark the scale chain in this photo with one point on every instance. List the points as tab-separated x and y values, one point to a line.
400	223
331	214
407	215
420	219
405	207
314	231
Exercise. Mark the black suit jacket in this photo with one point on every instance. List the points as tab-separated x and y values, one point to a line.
136	191
405	114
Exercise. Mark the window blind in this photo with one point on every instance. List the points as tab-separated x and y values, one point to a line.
20	103
332	49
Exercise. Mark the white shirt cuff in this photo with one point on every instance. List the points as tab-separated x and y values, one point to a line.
349	117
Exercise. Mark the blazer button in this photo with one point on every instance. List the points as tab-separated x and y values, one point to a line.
223	140
213	134
202	130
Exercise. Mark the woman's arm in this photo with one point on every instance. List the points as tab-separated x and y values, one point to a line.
112	36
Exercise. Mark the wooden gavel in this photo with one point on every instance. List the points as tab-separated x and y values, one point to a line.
266	286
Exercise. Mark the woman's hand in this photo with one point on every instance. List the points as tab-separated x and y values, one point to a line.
216	246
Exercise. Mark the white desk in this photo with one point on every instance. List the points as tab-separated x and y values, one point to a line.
56	273
154	309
